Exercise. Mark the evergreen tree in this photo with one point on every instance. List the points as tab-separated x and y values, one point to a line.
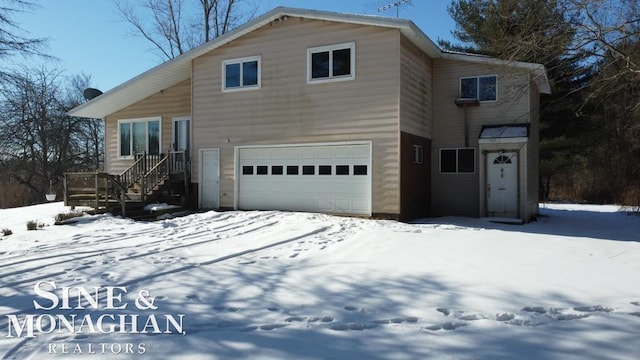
540	32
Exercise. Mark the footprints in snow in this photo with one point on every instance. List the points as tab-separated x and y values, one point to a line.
529	316
359	319
446	326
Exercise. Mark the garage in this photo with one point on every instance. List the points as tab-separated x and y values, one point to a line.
328	178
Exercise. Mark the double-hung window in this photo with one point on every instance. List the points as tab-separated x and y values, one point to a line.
137	136
331	63
241	74
481	88
456	161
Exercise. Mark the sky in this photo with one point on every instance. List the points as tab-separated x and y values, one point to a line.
89	37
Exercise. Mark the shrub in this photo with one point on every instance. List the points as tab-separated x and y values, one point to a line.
34	225
7	232
66	216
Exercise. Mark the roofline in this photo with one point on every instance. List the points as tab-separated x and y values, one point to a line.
538	70
179	68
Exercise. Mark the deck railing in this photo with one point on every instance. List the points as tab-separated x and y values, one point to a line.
101	190
143	162
154	177
97	190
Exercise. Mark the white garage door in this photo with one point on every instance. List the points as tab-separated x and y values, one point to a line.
319	178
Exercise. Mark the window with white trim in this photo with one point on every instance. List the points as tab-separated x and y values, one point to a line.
241	74
481	88
137	136
331	63
458	161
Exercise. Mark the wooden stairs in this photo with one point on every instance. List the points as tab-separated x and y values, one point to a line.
151	178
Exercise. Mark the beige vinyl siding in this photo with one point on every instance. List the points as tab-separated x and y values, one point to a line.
169	103
533	161
288	110
416	96
459	193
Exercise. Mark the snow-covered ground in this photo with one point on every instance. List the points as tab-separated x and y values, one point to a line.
276	285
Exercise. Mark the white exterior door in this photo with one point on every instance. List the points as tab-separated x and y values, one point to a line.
502	184
209	188
332	178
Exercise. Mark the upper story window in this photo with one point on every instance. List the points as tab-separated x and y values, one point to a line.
481	88
331	63
241	74
137	136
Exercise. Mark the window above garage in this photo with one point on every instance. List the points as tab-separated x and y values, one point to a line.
331	63
481	88
241	74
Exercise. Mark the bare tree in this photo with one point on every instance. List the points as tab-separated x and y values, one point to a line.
176	26
606	27
39	142
12	41
89	137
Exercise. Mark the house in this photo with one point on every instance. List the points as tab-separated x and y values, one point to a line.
318	111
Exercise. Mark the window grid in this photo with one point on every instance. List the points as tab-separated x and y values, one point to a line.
331	63
137	136
458	161
481	88
241	74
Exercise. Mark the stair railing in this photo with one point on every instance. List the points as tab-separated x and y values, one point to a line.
154	177
140	167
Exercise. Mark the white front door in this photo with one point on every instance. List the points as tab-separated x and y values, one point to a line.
502	184
209	188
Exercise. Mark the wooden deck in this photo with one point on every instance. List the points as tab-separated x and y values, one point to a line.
130	191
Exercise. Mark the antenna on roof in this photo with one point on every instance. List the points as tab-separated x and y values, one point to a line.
90	93
396	4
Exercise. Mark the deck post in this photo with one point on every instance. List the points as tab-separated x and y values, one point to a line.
185	169
97	193
123	203
106	193
65	191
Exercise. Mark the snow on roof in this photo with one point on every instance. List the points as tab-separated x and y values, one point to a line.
506	131
179	69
